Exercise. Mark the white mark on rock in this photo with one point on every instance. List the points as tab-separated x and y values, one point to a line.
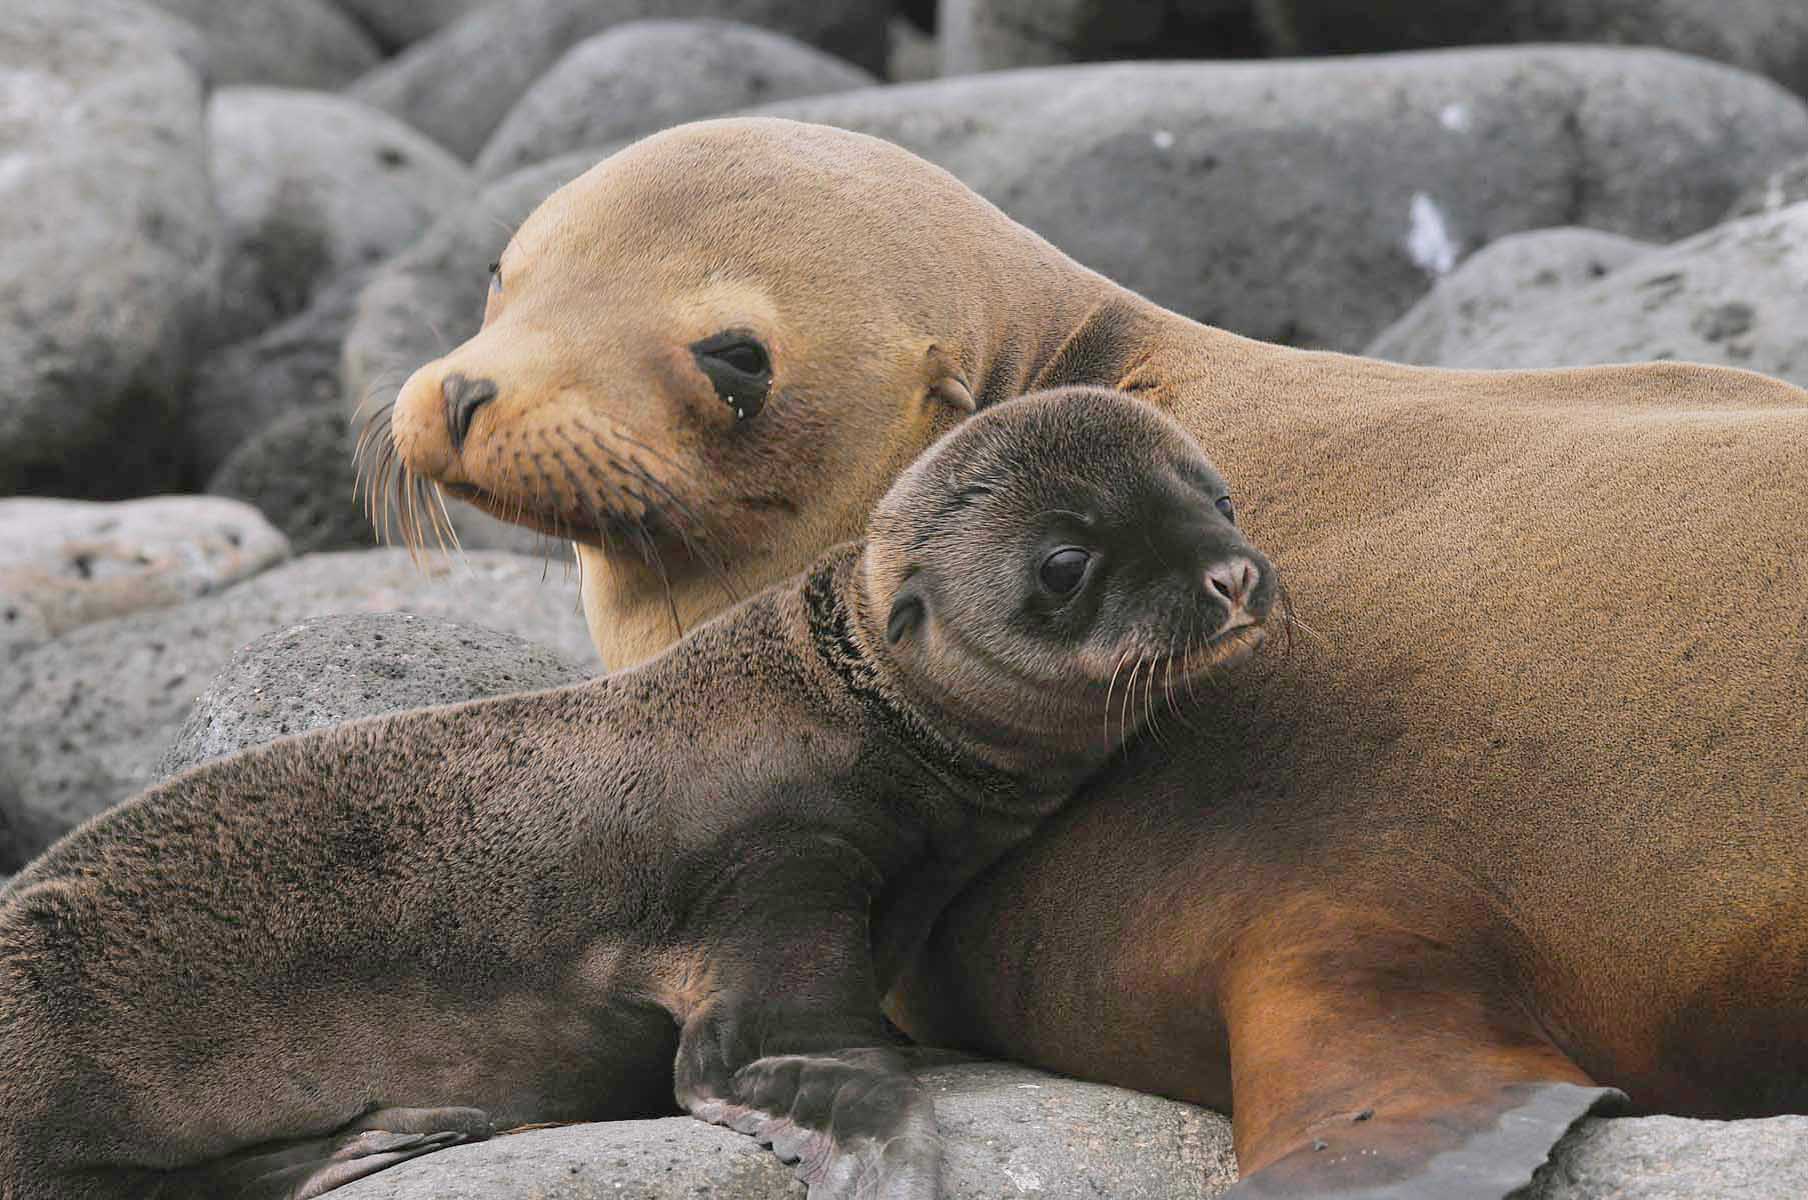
1030	1087
1025	1179
1429	241
1163	139
1454	117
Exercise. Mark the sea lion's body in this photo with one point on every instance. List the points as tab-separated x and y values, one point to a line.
281	971
1521	814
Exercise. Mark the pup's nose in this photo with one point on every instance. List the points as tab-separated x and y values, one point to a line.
464	396
1234	581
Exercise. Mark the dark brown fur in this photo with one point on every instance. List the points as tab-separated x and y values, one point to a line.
1523	808
282	971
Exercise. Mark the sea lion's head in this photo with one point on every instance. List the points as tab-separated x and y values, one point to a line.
703	360
1055	569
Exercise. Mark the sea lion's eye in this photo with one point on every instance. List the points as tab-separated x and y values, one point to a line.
496	278
1063	570
1228	509
740	369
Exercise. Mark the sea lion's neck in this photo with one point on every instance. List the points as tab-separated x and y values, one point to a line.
1010	780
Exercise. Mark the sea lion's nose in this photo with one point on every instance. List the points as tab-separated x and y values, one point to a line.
1234	581
464	396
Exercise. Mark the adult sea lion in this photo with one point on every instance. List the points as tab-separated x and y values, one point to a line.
288	969
1520	821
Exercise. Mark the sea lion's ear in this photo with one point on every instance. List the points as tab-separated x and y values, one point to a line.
946	383
906	616
953	391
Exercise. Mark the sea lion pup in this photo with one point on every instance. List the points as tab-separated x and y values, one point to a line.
290	968
1521	817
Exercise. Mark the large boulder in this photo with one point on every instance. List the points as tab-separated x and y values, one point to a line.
1312	202
646	75
68	563
1732	295
289	369
1007	1131
1767	36
85	719
987	35
1520	273
327	670
111	239
312	186
457	85
296	43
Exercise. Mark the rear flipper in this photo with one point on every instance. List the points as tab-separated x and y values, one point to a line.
312	1166
1486	1148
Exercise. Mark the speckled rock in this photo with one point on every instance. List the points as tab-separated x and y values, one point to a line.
457	85
646	75
84	719
1732	295
1668	1158
313	186
1008	1131
1313	202
1767	36
986	35
68	563
327	670
1519	273
296	43
111	239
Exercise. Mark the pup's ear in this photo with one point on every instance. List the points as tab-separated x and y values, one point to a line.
906	617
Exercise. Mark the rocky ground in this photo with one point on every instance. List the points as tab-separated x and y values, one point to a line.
232	223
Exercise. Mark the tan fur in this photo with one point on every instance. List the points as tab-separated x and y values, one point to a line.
1546	714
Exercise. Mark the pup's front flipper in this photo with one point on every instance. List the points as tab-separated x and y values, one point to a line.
790	1049
310	1167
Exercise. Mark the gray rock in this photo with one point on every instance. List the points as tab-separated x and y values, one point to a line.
289	369
1313	202
1299	202
111	240
68	563
84	719
313	186
1519	273
332	669
299	472
1732	295
986	35
646	75
1766	36
298	43
1782	188
457	85
915	55
397	23
1008	1131
1668	1158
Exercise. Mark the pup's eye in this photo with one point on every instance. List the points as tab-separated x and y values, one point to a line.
739	368
1063	570
1228	509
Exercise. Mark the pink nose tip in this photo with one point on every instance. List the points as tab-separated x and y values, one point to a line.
1234	580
